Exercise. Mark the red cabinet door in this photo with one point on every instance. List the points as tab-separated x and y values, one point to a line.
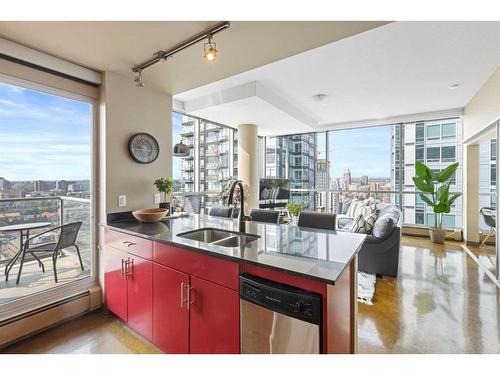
140	295
115	283
170	315
214	318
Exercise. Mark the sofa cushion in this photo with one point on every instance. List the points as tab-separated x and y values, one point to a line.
356	208
384	226
363	224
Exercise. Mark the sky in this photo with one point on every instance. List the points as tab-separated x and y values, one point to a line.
43	137
365	151
176	131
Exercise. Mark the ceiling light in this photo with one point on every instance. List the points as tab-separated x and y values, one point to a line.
454	86
319	97
210	50
138	80
181	150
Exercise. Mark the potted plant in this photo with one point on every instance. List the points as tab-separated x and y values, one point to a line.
165	186
434	189
294	210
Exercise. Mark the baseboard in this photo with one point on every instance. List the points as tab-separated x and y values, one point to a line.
34	321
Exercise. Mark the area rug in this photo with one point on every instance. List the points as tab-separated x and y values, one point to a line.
366	287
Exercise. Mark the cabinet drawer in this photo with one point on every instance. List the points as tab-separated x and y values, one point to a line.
211	268
129	243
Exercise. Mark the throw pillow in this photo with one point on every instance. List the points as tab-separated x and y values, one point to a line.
363	224
383	227
352	208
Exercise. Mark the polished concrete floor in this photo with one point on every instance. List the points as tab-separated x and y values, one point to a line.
94	333
441	302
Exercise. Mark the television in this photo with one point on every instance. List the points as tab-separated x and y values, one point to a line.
274	191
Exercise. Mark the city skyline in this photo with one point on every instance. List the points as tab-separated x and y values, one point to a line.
44	137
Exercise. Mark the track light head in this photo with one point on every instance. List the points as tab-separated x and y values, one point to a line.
210	50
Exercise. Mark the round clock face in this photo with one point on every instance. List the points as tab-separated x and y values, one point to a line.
143	148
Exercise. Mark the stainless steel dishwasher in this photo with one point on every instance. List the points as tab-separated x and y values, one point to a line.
278	318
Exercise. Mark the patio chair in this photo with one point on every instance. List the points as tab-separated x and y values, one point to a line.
488	214
67	238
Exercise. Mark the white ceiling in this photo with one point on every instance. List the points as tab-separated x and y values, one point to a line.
398	69
117	46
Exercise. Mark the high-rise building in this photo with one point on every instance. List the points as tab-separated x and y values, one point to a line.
295	157
363	181
321	184
209	164
302	153
4	184
346	179
437	144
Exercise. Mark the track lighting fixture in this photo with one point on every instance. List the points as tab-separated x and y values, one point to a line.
138	80
209	51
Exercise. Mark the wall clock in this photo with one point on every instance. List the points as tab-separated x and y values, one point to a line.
143	148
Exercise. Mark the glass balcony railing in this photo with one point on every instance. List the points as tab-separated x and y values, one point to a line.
56	211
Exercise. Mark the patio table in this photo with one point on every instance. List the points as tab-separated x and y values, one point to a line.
24	230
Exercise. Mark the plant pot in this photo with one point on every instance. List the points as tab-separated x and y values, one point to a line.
167	206
437	235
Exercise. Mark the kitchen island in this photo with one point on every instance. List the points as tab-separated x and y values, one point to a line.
183	294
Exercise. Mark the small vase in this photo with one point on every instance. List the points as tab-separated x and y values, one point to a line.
437	235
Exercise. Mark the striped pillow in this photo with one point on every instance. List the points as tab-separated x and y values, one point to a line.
363	224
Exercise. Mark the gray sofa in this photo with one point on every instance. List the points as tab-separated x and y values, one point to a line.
380	252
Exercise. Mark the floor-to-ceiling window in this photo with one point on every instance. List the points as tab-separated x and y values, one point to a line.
327	168
45	182
212	160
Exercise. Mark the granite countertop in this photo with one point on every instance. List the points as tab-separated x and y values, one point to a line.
313	253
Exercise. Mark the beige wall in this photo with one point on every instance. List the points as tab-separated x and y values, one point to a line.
481	111
484	108
127	110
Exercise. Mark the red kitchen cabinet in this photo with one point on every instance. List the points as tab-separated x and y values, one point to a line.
214	318
170	310
115	281
139	274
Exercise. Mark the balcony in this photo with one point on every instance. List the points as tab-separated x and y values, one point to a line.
57	211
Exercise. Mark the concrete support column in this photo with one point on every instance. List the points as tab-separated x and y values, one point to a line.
471	193
248	162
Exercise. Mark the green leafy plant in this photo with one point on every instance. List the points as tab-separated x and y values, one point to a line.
435	189
294	208
164	185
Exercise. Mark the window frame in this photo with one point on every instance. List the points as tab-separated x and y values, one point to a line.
58	292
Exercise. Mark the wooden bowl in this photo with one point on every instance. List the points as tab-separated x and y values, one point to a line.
150	215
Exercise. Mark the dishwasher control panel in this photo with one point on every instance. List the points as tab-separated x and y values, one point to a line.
285	299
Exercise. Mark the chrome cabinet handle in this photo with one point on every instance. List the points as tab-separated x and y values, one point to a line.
128	243
185	300
189	302
182	295
129	271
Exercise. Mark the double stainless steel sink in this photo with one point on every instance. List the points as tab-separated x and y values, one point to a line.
219	237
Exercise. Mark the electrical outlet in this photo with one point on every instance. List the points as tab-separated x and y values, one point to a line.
122	200
157	198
